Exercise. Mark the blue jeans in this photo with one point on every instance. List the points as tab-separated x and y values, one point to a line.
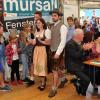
2	64
1	67
24	59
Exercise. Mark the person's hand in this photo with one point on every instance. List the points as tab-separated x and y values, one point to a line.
29	41
33	42
87	46
90	45
27	44
56	56
39	39
19	49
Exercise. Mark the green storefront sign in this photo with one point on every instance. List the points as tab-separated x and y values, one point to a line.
17	12
28	7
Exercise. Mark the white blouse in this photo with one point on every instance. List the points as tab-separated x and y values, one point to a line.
47	34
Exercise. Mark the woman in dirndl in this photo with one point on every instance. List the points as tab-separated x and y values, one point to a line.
42	37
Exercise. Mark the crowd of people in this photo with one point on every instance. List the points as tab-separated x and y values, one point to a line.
42	49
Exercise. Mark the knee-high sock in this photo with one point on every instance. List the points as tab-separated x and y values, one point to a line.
99	89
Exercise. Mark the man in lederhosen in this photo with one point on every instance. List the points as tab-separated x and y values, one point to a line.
58	41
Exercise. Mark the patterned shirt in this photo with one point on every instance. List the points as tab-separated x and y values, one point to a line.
9	53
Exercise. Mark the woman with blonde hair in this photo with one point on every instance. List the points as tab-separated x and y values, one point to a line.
23	54
27	46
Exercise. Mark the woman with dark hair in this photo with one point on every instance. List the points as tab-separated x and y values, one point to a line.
42	36
96	28
77	23
44	24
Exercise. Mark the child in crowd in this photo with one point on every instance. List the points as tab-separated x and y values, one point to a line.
23	43
13	58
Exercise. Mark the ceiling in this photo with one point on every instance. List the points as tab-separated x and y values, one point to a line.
90	4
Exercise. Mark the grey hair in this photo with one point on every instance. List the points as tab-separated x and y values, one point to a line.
78	31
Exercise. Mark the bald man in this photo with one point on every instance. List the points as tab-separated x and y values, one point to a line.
74	52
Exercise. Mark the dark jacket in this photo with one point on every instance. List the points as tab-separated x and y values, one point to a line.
73	56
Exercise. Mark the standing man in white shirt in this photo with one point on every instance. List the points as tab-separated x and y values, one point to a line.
58	41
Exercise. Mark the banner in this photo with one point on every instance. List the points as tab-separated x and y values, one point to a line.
17	10
18	23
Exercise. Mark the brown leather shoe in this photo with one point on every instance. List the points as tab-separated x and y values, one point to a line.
52	93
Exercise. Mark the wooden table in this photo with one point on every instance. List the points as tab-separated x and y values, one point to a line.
95	63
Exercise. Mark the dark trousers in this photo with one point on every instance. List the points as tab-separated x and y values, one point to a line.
90	72
15	70
97	75
84	79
